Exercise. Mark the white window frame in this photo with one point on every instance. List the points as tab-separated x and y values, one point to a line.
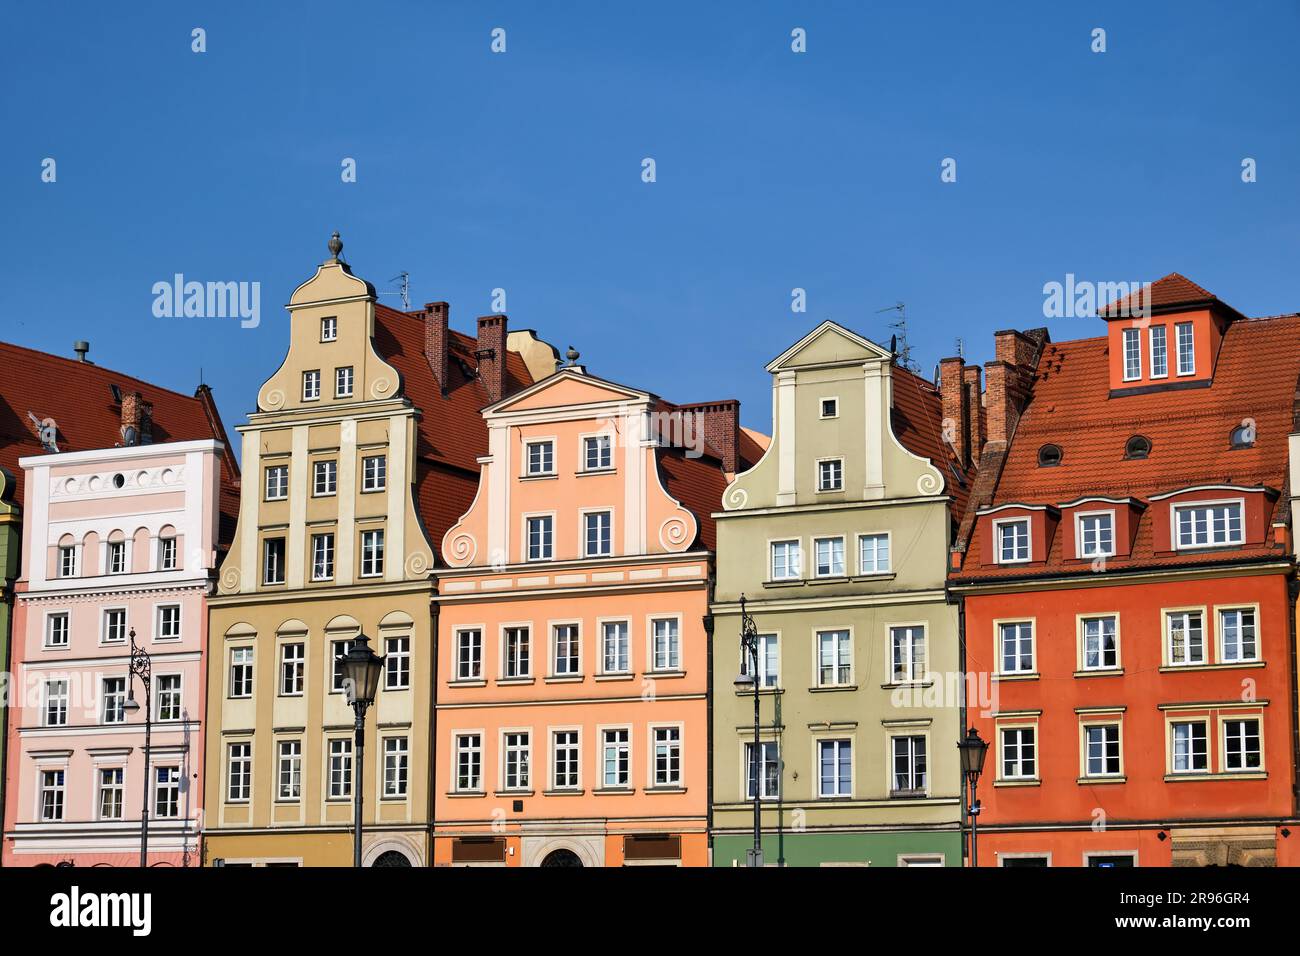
1131	345
542	472
838	664
652	740
1094	722
105	696
311	385
463	635
398	760
47	640
1190	329
328	469
506	658
545	553
288	757
323	552
374	478
999	524
907	733
766	657
771	559
1081	628
339	786
831	572
1033	646
585	515
281	566
574	644
603	624
525	782
398	657
158	697
835	407
1000	754
281	483
1220	633
105	630
329	328
118	787
1164	350
1080	533
167	553
623	754
463	744
888	537
746	749
67	568
1174	719
587	442
918	666
836	465
573	749
674	664
818	741
1167	635
1210	506
244	765
376	561
160	611
1223	719
344	381
248	665
295	666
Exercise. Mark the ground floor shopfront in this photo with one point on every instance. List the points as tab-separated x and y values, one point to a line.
843	848
588	844
1182	845
326	847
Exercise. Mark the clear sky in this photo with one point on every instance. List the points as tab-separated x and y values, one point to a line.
522	170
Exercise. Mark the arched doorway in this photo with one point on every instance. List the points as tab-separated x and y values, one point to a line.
562	858
391	858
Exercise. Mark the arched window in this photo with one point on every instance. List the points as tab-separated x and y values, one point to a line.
1138	446
1049	456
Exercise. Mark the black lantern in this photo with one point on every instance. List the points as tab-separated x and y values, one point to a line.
973	751
361	670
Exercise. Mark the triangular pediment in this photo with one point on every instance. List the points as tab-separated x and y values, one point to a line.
566	388
829	344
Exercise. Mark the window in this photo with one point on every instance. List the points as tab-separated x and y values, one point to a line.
114	707
168	697
169	622
1237	635
241	672
1190	742
167	792
397	663
1016	647
340	768
768	661
273	561
1205	526
56	703
1013	540
56	630
517	662
835	762
516	752
566	660
372	554
322	556
1102	750
616	758
117	557
289	770
293	661
52	795
469	763
835	659
343	382
68	561
1100	646
115	625
564	760
1137	447
112	783
1097	535
598	533
1049	456
277	482
1132	354
787	560
667	756
614	647
167	554
325	476
830	408
311	385
829	553
1243	436
909	765
396	767
1159	352
666	644
766	768
1018	753
597	453
329	328
907	645
239	775
540	538
1241	745
374	473
873	553
830	475
1186	348
1186	637
469	654
541	457
341	649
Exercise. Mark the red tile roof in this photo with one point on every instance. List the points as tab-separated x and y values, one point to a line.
79	397
1173	290
1256	379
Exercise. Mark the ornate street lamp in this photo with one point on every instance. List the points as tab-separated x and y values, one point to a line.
361	670
142	667
973	750
749	648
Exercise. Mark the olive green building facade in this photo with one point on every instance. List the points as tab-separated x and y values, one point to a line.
838	540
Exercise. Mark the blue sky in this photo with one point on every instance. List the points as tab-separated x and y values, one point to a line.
522	171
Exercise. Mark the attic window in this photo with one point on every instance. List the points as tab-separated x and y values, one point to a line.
1137	447
1049	456
1243	436
117	393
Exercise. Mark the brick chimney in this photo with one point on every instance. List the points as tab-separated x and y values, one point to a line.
137	416
491	354
952	395
1009	377
437	316
721	429
974	410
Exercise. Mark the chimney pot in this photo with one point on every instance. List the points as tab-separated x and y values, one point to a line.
82	348
491	351
437	339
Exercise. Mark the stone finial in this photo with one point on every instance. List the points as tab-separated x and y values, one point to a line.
572	355
335	246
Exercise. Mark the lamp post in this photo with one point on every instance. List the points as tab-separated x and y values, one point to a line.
142	667
749	648
361	669
973	751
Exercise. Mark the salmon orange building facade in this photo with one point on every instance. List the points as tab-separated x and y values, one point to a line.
572	723
1127	580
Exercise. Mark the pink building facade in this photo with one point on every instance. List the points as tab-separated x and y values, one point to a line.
119	546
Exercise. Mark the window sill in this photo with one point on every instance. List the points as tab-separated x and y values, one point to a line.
468	682
665	675
762	692
1101	672
465	794
784	583
613	677
540	476
907	795
613	791
584	472
512	793
1031	675
566	792
828	579
563	679
1204	776
832	688
927	682
513	681
665	789
1114	778
873	576
1175	668
1027	782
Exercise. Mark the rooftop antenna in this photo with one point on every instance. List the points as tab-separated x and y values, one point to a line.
901	348
404	290
961	347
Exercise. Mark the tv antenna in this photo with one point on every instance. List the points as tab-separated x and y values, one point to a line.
900	344
404	289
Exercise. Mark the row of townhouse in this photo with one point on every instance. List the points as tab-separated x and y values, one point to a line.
1083	551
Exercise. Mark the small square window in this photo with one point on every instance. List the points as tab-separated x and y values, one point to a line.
329	328
830	408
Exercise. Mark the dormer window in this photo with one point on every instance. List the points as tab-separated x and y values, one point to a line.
1049	456
1186	348
1096	534
1243	436
1159	352
1137	447
1012	537
1132	354
1208	525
